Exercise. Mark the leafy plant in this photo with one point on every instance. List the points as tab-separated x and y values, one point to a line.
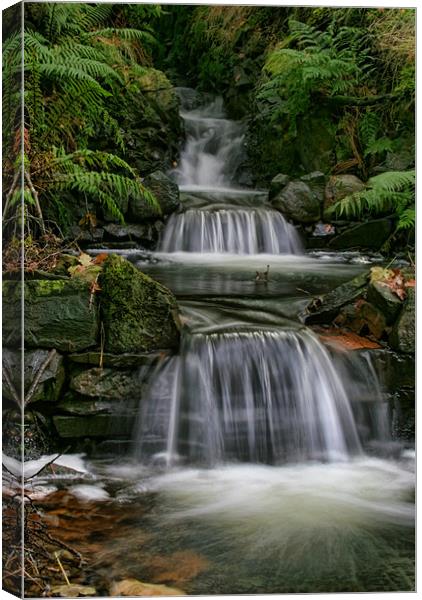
390	192
75	59
322	63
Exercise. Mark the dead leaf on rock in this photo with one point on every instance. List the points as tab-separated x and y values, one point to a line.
134	587
73	590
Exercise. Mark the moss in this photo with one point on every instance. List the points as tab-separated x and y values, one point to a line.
58	314
138	313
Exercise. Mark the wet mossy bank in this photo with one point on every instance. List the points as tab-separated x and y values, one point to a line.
87	354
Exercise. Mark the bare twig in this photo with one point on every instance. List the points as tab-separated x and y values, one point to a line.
10	192
56	554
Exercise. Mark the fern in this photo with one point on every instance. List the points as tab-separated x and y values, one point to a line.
321	64
390	192
90	172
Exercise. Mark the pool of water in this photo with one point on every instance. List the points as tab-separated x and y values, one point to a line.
257	529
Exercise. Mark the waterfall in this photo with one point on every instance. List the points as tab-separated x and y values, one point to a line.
269	396
209	163
237	231
213	150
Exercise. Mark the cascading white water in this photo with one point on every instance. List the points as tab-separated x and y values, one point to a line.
208	165
213	150
268	396
237	231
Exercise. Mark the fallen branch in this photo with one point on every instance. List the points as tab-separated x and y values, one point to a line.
36	199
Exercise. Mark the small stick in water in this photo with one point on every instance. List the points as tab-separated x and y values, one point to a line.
263	275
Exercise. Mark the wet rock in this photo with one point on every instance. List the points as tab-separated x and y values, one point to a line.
74	404
403	415
49	384
165	190
382	296
277	184
94	426
58	314
298	202
363	318
86	235
139	314
106	383
134	587
324	309
316	182
402	337
370	235
125	360
145	233
340	186
394	370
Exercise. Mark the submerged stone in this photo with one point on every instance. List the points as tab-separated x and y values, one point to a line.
139	314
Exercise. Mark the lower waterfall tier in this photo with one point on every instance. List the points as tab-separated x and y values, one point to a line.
269	396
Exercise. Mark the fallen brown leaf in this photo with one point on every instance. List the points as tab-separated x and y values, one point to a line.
134	587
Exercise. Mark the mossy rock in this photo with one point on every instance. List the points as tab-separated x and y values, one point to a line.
156	83
110	384
58	314
166	192
139	314
103	426
325	308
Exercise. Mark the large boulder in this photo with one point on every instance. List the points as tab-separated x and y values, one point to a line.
138	313
340	186
277	184
59	314
165	190
297	201
50	382
370	235
402	337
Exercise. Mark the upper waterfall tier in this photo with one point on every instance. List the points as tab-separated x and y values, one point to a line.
213	150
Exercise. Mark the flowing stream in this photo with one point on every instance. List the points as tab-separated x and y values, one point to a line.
257	449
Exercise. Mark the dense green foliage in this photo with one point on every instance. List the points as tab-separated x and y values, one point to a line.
321	88
76	60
